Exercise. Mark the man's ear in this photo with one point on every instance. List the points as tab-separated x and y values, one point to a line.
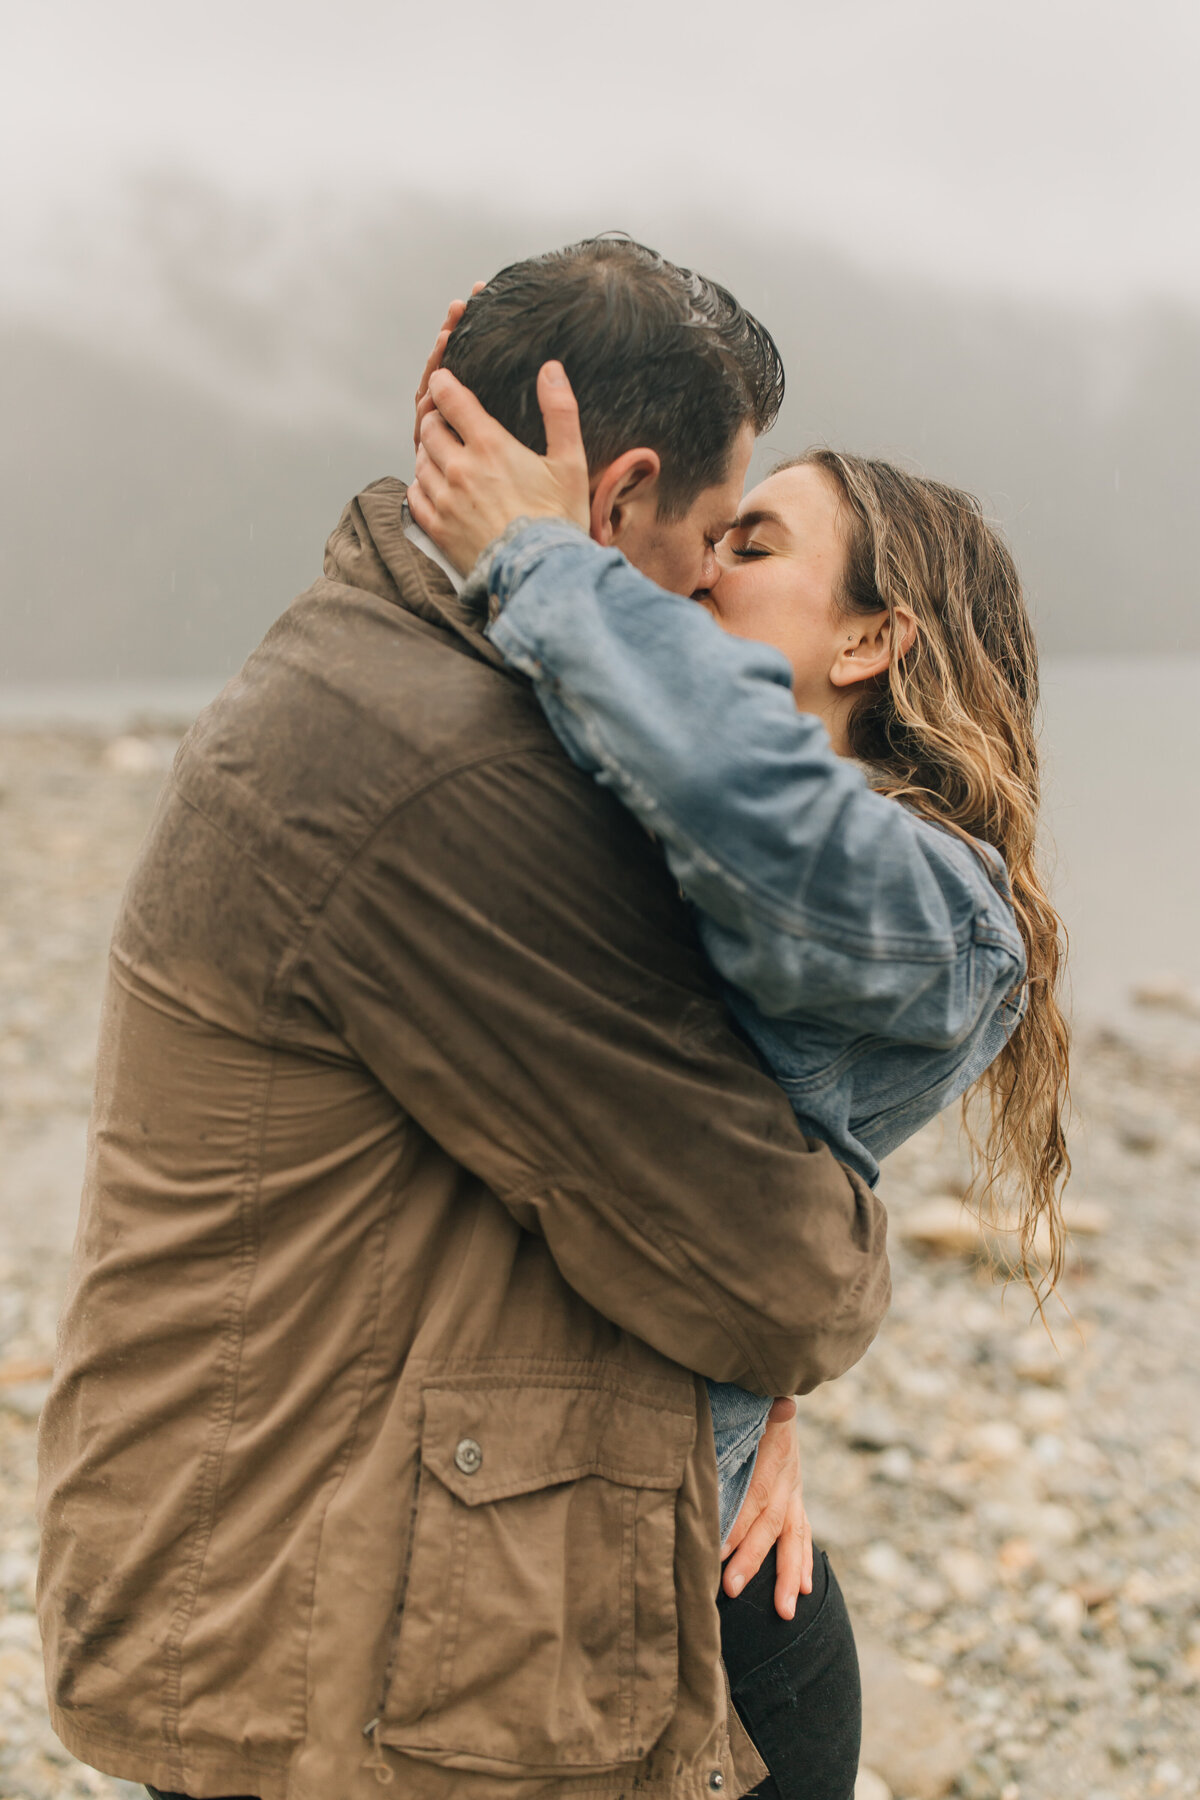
629	482
866	649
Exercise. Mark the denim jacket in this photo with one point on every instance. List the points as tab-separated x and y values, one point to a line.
871	956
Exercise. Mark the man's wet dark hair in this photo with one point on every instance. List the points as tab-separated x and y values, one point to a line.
657	356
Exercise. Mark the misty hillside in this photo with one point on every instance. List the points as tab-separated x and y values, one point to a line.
205	386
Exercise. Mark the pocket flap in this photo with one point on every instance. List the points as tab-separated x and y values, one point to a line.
488	1439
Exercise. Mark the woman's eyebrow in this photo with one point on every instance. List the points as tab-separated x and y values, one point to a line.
748	520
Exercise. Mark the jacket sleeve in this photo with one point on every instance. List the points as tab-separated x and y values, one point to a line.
822	899
515	965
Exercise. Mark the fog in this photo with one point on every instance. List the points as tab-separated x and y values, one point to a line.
188	436
232	234
1030	146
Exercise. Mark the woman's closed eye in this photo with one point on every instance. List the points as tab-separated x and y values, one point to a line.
746	551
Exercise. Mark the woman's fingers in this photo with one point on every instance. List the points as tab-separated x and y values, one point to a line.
458	406
564	439
793	1563
432	483
424	405
419	506
475	477
750	1554
773	1513
560	414
437	440
434	361
454	313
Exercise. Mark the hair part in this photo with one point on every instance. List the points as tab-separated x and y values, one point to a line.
951	730
657	355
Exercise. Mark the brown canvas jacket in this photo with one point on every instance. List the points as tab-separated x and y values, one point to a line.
426	1177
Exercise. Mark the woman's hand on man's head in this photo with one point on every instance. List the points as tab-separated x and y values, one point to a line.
473	478
424	402
773	1513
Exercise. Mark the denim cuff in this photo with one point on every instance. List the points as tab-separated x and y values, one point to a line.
508	559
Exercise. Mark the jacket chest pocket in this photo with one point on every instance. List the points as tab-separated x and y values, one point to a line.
538	1628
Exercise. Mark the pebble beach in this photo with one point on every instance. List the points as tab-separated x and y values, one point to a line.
1012	1511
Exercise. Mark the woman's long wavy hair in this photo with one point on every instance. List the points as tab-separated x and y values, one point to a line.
951	731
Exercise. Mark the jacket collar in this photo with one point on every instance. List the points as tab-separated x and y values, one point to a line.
370	549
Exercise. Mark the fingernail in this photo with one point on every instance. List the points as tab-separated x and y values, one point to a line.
736	1583
556	375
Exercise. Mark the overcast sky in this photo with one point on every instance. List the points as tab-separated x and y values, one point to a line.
1051	147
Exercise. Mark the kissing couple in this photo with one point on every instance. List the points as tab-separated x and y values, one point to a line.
537	948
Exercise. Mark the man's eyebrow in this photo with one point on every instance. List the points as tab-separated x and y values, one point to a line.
761	516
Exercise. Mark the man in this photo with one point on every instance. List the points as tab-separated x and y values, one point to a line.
377	1450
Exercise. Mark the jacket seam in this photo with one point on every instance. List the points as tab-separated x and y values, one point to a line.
214	1457
312	910
338	1478
449	1382
860	1284
88	1734
311	907
535	752
668	1245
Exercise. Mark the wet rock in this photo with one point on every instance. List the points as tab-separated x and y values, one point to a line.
968	1574
1065	1613
1170	993
131	755
996	1441
1035	1357
1041	1410
985	1778
943	1227
1086	1218
884	1563
873	1427
19	1371
910	1734
25	1398
895	1465
1143	1130
871	1786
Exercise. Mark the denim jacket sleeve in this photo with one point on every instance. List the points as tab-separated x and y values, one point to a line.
822	898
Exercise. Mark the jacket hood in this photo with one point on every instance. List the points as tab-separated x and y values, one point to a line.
370	549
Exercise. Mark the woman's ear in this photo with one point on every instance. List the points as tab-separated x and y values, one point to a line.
867	647
629	480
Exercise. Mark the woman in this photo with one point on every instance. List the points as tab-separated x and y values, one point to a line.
852	812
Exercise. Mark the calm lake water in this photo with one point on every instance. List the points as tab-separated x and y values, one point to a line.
1122	751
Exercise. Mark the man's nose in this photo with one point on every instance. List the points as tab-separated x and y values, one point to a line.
710	570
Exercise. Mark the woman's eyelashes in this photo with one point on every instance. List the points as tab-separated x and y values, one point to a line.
747	551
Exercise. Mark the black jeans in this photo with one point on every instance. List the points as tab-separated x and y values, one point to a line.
794	1683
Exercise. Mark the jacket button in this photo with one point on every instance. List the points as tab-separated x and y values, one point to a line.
716	1781
468	1457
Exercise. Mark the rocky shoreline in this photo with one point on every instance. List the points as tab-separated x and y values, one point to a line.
1014	1521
